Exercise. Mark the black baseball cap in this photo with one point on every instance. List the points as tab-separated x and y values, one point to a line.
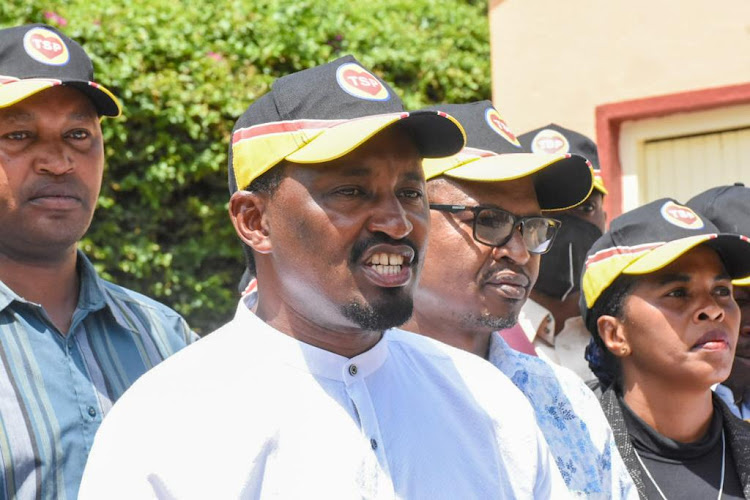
554	139
493	154
650	238
36	57
322	113
728	207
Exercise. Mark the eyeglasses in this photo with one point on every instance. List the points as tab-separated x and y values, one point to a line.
494	227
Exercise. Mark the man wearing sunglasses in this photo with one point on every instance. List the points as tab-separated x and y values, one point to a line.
486	237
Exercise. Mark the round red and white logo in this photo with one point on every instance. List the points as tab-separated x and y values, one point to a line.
46	46
496	123
550	141
681	216
357	81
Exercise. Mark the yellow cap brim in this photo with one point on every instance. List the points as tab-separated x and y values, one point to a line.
665	254
505	167
599	275
253	157
563	181
742	282
16	91
337	141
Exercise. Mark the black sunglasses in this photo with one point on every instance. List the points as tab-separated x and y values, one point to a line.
494	227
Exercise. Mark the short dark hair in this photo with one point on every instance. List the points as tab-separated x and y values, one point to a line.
605	365
267	183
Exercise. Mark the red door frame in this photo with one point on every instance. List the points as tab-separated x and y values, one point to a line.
609	118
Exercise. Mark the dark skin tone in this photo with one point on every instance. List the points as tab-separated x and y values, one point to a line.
592	211
687	310
51	162
316	238
484	286
739	379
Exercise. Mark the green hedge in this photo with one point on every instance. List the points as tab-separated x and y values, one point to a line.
186	70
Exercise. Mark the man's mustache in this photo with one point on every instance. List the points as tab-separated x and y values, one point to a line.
361	246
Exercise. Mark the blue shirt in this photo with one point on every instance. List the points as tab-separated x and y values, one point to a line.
739	409
572	422
55	389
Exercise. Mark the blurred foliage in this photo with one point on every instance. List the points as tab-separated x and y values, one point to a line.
185	71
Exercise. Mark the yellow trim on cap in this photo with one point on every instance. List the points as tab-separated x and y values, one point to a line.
498	167
599	184
665	254
341	139
16	91
742	281
252	157
600	274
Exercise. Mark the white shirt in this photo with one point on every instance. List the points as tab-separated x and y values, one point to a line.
567	348
249	412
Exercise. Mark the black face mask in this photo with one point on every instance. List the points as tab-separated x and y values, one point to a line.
561	267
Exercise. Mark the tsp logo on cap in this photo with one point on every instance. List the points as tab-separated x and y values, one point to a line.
550	142
359	82
46	47
680	216
496	123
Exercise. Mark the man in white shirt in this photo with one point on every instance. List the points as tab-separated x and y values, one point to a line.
315	395
551	318
486	237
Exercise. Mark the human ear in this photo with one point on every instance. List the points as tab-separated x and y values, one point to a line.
248	211
612	334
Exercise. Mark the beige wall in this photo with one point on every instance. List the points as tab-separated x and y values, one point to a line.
556	60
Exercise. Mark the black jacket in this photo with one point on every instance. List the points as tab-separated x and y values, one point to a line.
737	432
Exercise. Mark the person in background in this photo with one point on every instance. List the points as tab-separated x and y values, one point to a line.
550	318
310	391
486	238
70	342
728	207
657	298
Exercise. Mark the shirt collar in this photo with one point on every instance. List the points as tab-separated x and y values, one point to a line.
7	296
531	318
306	357
91	297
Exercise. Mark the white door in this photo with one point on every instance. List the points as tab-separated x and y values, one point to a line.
680	155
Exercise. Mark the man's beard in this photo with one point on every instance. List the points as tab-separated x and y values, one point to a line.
391	311
493	323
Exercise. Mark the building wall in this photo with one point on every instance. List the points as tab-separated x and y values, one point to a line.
555	61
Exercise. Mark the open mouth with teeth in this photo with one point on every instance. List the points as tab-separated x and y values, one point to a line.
386	263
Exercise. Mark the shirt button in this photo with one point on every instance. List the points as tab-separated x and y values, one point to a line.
352	370
374	444
92	411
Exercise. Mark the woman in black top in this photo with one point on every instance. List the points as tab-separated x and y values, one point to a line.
658	300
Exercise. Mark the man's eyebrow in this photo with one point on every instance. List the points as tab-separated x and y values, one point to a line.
355	172
82	114
16	116
414	176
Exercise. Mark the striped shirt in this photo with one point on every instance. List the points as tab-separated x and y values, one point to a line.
55	389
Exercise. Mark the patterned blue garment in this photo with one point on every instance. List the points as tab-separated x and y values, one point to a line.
572	422
55	389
